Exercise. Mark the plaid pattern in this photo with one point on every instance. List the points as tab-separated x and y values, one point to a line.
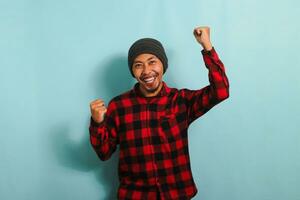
152	135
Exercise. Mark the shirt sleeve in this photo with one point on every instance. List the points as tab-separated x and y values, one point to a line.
103	136
202	100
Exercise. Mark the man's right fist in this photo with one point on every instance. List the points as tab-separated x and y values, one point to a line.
98	110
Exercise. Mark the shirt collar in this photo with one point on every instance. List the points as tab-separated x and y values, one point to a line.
163	91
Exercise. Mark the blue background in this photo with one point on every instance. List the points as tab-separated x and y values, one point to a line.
57	56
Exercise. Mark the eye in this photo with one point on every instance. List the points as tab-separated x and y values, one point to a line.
152	62
138	65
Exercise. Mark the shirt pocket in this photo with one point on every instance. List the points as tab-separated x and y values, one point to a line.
168	128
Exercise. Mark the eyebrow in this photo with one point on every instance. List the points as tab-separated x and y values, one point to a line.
141	61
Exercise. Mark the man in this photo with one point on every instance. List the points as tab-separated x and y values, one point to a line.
150	123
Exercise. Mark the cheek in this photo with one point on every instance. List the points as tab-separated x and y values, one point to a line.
160	71
136	73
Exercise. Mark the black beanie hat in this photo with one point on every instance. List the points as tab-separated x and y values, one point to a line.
147	45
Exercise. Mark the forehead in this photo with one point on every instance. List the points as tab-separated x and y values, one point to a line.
144	57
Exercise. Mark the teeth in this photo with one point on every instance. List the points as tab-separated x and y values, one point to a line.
149	80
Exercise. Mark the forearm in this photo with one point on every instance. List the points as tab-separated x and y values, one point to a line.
219	84
102	139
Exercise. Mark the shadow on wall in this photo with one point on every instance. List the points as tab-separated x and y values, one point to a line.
114	77
115	80
80	156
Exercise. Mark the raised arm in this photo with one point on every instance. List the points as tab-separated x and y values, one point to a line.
103	131
202	100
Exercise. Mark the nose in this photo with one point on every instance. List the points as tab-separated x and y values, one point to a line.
146	69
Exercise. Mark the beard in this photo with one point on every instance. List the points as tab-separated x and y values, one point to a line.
153	90
150	87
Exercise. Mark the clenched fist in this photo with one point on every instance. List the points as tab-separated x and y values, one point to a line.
98	110
202	35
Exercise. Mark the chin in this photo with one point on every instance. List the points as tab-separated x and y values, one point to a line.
154	88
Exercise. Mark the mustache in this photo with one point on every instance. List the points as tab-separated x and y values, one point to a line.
153	73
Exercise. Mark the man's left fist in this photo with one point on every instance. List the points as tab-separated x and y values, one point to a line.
202	35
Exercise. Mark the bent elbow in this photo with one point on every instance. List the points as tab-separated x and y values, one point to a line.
223	94
104	155
226	95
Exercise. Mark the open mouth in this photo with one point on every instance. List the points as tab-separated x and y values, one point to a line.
149	80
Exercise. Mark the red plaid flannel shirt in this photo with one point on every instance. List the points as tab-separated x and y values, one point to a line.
152	135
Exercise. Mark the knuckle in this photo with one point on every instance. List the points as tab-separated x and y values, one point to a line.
102	108
97	101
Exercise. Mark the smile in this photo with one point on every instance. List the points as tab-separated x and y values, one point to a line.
148	79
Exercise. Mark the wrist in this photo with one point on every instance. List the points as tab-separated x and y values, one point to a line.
204	52
207	46
95	123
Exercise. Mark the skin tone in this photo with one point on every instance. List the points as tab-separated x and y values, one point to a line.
148	71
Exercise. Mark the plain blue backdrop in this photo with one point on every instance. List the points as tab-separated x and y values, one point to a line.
57	56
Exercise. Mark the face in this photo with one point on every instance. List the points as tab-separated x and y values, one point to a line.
148	71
